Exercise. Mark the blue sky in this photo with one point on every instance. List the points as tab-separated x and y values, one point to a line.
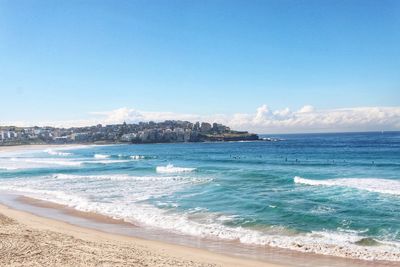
62	60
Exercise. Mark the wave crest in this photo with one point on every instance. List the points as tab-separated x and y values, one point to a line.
47	161
117	177
57	153
342	244
171	169
137	157
384	186
101	156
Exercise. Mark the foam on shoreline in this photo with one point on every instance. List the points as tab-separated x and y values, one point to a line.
79	245
224	200
339	243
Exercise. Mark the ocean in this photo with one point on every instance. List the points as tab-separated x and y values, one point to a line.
333	194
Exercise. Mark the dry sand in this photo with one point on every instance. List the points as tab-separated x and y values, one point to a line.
30	240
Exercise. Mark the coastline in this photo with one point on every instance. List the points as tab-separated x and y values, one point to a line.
259	256
30	240
90	237
84	246
56	145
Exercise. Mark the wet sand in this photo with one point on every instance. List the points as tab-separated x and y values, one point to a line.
30	240
89	226
73	212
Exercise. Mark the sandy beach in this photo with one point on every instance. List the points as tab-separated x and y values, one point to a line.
29	240
200	133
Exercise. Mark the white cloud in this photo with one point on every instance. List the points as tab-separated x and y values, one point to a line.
306	109
120	115
264	120
284	113
308	119
262	114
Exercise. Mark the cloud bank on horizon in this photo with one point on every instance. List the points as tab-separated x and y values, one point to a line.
264	120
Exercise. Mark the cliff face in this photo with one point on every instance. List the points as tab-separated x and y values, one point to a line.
185	135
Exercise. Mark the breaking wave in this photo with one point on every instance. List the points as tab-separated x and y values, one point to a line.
105	161
101	156
137	157
118	177
171	169
32	163
376	185
57	153
204	224
48	161
9	168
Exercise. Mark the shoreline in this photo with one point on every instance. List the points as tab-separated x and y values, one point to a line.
82	241
11	146
259	254
88	223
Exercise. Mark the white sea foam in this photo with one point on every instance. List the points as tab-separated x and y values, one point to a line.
106	161
121	196
55	196
101	156
74	147
57	153
136	157
384	186
47	161
119	177
31	163
327	243
197	222
171	169
8	168
18	162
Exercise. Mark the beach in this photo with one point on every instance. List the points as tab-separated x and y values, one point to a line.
29	240
60	207
200	133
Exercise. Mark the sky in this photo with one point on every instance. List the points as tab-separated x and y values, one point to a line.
266	66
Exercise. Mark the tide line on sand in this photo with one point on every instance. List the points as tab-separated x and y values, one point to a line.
78	246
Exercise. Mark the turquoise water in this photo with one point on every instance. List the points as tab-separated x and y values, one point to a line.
334	194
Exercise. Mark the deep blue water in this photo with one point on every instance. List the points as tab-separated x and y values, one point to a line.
336	194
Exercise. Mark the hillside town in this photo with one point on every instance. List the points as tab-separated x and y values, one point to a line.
142	132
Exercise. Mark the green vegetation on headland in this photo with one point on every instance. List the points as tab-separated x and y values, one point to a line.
142	132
